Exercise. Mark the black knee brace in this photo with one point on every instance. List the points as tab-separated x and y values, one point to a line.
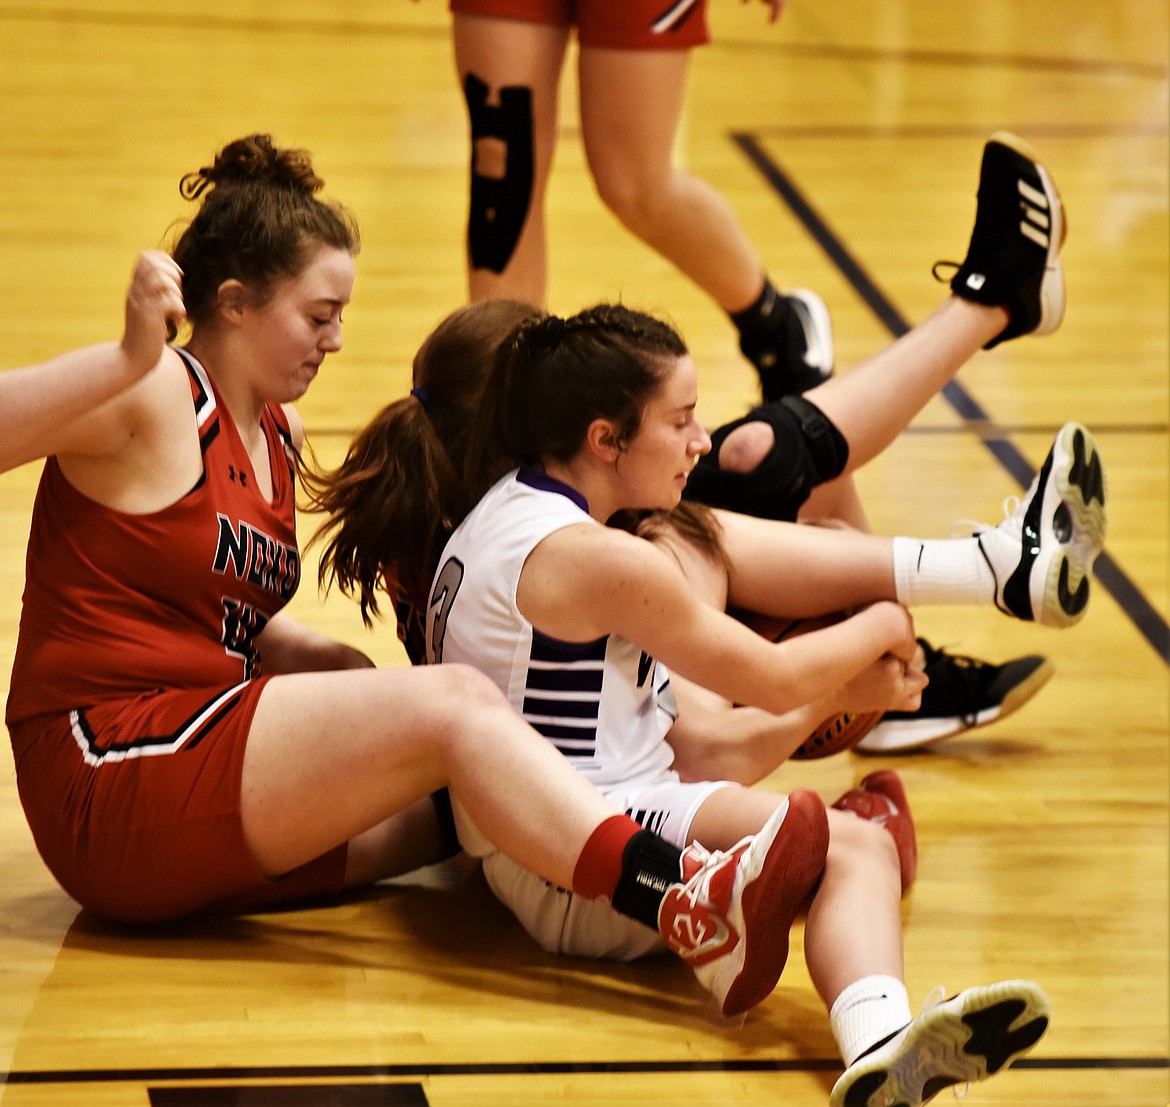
808	450
498	206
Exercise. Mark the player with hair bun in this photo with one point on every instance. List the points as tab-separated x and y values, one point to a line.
180	742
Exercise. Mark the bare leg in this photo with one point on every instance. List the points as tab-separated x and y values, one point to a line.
514	53
332	755
630	155
874	402
406	841
854	926
838	501
796	570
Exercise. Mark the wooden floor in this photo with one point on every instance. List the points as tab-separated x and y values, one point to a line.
848	139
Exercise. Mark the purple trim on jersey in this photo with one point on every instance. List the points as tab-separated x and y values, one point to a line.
540	480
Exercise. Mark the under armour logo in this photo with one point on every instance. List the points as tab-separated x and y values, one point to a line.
232	473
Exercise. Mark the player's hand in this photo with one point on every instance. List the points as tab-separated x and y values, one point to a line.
154	309
889	684
892	627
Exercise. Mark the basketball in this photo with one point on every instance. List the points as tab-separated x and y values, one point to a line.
839	733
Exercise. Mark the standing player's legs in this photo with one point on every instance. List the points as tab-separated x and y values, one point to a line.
631	103
509	71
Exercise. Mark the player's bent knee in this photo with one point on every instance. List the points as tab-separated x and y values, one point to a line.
746	447
637	202
860	844
806	450
463	692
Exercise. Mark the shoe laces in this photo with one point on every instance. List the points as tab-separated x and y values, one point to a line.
937	994
952	266
936	655
698	888
1012	524
958	671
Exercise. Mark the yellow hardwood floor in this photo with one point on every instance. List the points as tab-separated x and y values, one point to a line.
1043	838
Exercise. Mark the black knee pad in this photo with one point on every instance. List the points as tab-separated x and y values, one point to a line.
808	450
498	206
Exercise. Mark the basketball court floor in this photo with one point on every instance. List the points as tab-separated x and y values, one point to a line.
848	139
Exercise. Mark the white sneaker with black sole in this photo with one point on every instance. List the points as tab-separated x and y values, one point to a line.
1042	554
795	352
961	1040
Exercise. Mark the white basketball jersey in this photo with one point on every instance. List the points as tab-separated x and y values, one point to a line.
604	704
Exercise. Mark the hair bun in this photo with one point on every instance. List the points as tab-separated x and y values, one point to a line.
254	158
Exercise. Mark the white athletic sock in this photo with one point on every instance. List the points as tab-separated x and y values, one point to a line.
867	1011
942	571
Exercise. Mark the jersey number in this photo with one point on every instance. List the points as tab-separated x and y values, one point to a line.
439	608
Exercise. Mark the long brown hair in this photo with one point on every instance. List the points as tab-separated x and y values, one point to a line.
393	502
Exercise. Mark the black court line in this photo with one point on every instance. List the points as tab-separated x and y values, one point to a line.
289	1095
1144	616
550	1068
851	132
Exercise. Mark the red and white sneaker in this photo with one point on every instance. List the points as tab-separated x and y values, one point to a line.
730	918
881	799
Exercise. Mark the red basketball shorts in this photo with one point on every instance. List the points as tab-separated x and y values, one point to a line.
135	806
614	24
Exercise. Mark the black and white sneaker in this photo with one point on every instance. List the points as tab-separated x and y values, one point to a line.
1042	554
963	693
795	354
1013	259
963	1039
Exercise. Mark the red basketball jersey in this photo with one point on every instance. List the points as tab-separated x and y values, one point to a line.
117	604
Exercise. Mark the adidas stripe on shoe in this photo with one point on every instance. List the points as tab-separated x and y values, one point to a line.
1013	259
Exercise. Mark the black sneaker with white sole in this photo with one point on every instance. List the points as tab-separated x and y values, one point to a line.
1013	259
791	346
963	693
966	1038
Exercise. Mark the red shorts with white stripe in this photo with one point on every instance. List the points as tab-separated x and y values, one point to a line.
613	24
135	806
